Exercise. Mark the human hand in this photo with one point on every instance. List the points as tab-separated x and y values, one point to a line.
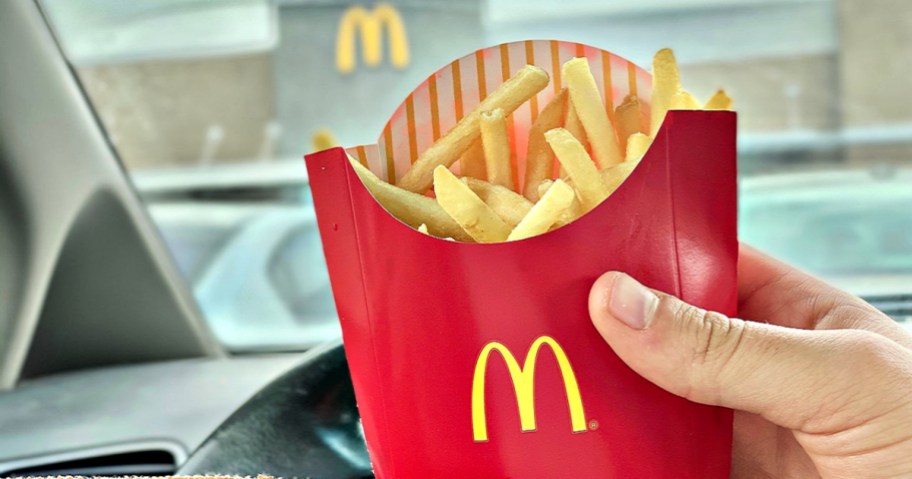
821	382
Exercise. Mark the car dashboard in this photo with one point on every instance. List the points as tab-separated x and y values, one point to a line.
127	420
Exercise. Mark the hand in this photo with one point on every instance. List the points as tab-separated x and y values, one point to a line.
821	382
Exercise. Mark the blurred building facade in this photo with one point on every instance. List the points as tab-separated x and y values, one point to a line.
814	81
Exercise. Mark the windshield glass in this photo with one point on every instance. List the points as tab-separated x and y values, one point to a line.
211	106
850	226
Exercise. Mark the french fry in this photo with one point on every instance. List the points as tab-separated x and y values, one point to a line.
543	187
423	229
496	148
508	204
637	145
485	205
323	139
719	101
467	209
580	168
614	176
572	212
629	119
683	100
509	96
666	81
587	102
573	125
473	161
411	208
545	213
539	157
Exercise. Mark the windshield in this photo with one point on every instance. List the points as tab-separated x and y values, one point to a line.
212	104
855	225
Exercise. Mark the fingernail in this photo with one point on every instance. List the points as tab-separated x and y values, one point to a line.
632	303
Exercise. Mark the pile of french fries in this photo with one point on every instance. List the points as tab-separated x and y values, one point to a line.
595	154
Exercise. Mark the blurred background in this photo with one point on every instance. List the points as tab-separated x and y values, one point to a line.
212	104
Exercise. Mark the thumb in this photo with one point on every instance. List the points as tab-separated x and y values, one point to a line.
790	376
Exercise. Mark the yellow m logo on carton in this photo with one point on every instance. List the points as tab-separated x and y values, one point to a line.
371	26
524	384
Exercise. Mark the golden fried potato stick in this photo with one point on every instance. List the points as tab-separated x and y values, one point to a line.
410	208
587	102
572	212
543	187
683	100
580	168
508	204
539	157
637	145
467	209
496	145
573	125
629	119
323	139
509	96
614	176
666	81
473	161
545	212
719	101
423	229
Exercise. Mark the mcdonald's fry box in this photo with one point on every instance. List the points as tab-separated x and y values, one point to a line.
480	360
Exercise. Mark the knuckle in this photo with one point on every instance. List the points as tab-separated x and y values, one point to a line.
717	339
871	351
870	364
851	315
713	342
874	362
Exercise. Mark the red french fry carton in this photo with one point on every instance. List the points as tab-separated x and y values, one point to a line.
480	360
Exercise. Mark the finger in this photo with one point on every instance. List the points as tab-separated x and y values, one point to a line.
774	292
792	377
763	450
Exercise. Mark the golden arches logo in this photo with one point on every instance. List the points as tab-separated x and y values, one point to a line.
524	385
371	25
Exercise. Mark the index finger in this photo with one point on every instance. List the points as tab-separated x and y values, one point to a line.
774	292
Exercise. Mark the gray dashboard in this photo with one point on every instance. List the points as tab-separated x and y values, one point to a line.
169	406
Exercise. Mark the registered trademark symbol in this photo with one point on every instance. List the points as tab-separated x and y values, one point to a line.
593	425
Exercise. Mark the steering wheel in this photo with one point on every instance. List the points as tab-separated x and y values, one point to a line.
303	424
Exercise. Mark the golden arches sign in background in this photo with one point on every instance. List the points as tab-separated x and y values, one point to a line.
370	24
523	378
